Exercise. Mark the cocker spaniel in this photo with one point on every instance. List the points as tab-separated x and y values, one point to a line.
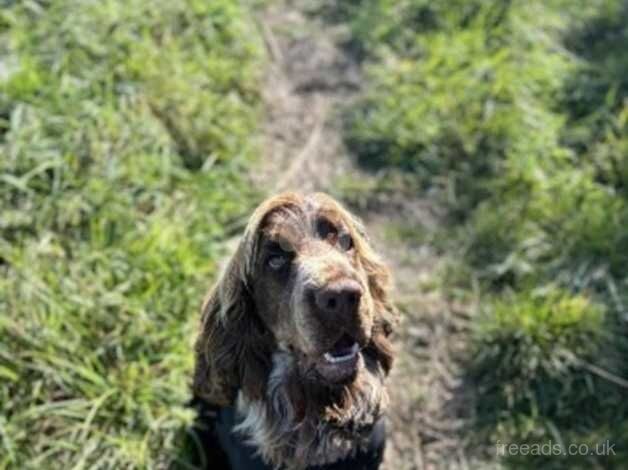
295	334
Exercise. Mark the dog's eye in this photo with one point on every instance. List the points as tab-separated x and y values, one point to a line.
345	241
327	231
277	261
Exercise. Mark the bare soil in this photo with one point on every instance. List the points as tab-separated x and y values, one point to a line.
311	77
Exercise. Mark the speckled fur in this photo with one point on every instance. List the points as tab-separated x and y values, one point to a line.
272	426
259	356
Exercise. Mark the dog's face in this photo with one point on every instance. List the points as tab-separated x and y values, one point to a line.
303	281
311	289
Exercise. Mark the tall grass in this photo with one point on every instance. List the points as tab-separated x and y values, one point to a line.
124	129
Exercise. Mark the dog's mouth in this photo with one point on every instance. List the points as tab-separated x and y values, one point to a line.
344	350
339	365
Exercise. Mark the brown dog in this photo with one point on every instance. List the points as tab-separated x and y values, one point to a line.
295	333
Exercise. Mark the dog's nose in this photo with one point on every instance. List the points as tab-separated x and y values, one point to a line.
341	297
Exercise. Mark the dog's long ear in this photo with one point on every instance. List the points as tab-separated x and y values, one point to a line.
379	280
233	348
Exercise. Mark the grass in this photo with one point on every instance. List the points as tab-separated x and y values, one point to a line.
124	131
515	116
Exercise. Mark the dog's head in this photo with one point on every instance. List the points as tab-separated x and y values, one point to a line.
304	280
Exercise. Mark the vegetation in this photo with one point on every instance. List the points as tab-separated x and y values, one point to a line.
126	132
124	127
516	114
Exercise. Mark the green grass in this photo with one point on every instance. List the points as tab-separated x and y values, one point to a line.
533	376
124	131
515	115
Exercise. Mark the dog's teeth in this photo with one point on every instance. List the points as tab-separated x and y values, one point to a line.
336	359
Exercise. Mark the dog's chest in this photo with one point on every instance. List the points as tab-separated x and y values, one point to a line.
329	448
287	437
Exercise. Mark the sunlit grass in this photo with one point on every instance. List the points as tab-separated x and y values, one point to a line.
124	131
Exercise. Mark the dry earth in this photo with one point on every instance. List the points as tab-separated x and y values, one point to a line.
310	78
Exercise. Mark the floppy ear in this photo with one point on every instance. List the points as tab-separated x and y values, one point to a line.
379	278
233	350
379	281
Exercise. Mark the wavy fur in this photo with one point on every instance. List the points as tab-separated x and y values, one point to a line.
293	419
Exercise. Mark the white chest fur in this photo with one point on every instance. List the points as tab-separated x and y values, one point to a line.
272	426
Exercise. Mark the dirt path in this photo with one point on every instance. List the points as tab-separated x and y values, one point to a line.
310	78
307	78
